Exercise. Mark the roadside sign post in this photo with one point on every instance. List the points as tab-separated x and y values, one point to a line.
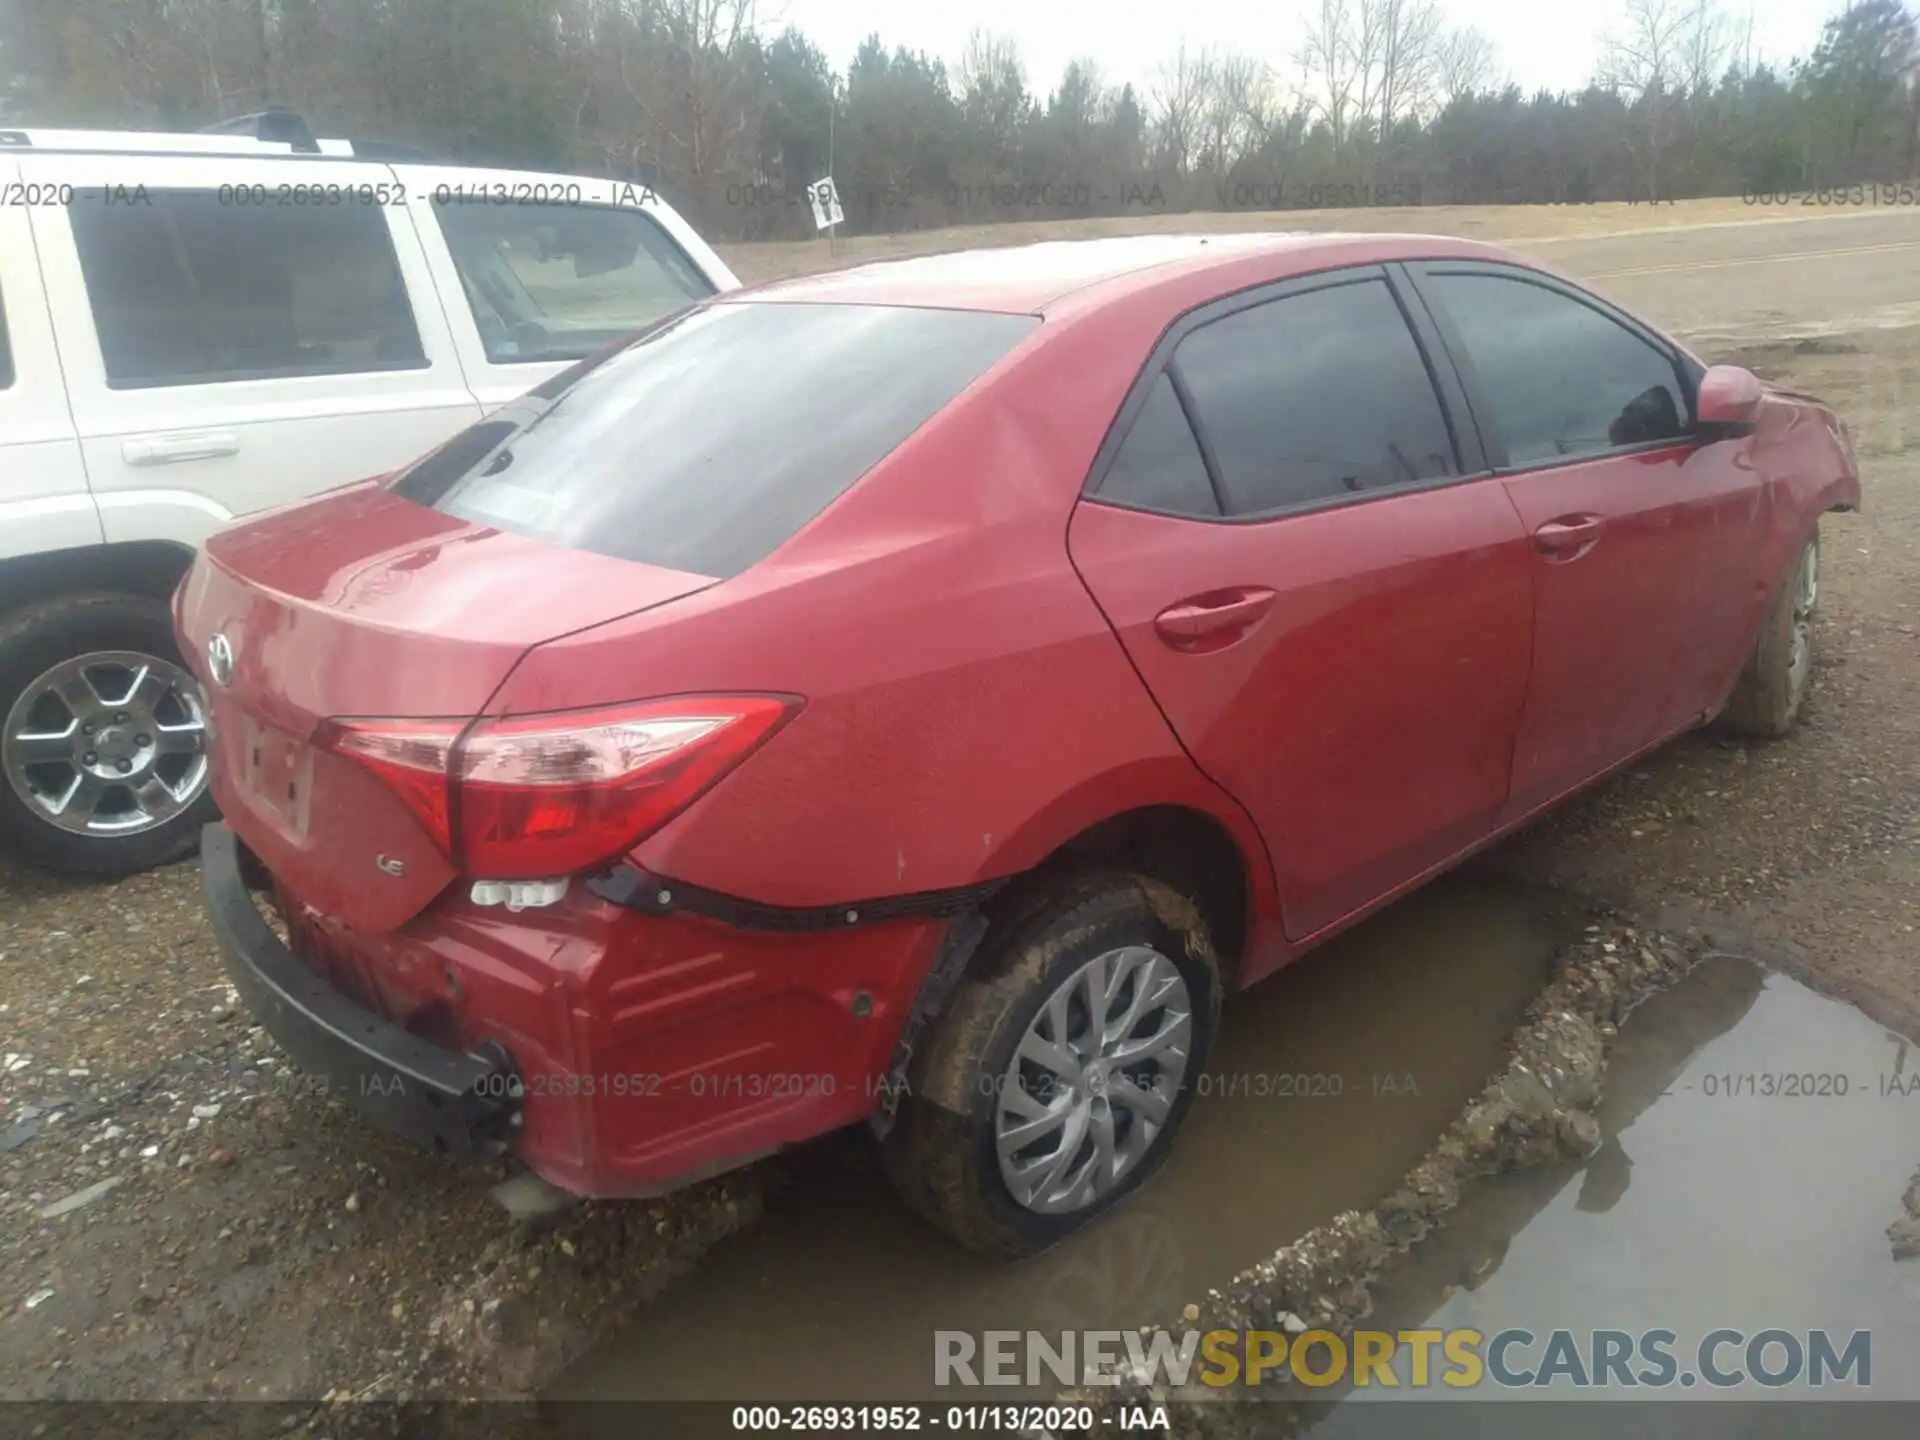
830	205
827	214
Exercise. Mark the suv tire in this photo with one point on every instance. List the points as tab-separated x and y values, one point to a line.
104	642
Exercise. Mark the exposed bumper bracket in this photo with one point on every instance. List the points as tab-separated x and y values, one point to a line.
453	1103
629	885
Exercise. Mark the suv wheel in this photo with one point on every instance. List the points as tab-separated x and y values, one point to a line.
1064	1064
1767	697
103	762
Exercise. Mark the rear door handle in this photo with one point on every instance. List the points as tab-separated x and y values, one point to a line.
1216	618
1567	537
175	449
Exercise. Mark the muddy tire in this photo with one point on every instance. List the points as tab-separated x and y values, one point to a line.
103	666
1767	697
1111	980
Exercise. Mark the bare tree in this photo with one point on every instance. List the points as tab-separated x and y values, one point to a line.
1465	64
1238	109
680	64
1328	60
1365	39
989	60
1708	43
1409	55
1179	96
1666	52
1666	45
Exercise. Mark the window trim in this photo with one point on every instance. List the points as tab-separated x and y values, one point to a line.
1448	394
1477	397
436	207
250	377
274	373
1209	464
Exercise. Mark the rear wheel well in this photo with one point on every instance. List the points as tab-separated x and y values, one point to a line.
138	567
1187	850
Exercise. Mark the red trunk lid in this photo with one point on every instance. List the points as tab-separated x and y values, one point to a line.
364	604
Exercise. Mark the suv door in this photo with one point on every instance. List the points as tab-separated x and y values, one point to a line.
1639	530
239	333
1330	604
44	503
538	271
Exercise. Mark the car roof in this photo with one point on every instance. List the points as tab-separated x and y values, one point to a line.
1031	279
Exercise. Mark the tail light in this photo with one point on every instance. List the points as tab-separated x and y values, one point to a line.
558	793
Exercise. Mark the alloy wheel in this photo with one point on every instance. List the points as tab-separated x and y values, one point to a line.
1093	1080
107	744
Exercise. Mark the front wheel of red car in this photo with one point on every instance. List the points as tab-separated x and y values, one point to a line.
1767	697
1061	1068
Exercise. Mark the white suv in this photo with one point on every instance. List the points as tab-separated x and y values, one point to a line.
193	327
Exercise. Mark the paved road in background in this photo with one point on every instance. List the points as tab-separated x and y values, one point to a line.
1781	276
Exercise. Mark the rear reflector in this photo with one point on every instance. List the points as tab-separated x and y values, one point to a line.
519	895
555	794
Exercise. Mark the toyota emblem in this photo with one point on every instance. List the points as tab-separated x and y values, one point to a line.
220	660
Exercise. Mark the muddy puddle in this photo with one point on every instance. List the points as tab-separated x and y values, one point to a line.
1758	1140
1329	1081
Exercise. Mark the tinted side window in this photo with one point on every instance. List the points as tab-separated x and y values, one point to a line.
1560	377
713	438
186	290
1315	396
6	349
1158	465
558	282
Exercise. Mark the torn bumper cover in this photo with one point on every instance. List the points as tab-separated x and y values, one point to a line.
453	1103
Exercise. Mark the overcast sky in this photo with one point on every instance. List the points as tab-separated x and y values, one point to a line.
1546	43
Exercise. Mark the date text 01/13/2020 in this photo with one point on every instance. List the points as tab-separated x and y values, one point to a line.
1058	1420
741	1085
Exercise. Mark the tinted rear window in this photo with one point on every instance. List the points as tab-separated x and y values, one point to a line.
711	440
191	287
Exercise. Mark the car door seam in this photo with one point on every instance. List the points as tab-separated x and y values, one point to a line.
1532	564
440	300
1173	730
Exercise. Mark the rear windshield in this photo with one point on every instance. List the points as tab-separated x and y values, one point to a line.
711	440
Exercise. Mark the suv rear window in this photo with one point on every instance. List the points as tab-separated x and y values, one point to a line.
558	282
714	437
187	290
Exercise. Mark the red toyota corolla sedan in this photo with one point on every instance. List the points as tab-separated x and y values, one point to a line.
914	695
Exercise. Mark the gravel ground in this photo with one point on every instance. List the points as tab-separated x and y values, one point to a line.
180	1218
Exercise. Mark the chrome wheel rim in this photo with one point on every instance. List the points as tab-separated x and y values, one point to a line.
1806	595
107	744
1091	1085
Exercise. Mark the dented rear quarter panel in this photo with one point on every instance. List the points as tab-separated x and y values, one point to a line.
968	708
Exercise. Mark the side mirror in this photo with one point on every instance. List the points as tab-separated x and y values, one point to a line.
1729	397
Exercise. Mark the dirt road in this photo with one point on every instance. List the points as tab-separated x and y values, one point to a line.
180	1217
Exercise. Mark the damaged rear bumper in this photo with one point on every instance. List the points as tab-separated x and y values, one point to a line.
457	1104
